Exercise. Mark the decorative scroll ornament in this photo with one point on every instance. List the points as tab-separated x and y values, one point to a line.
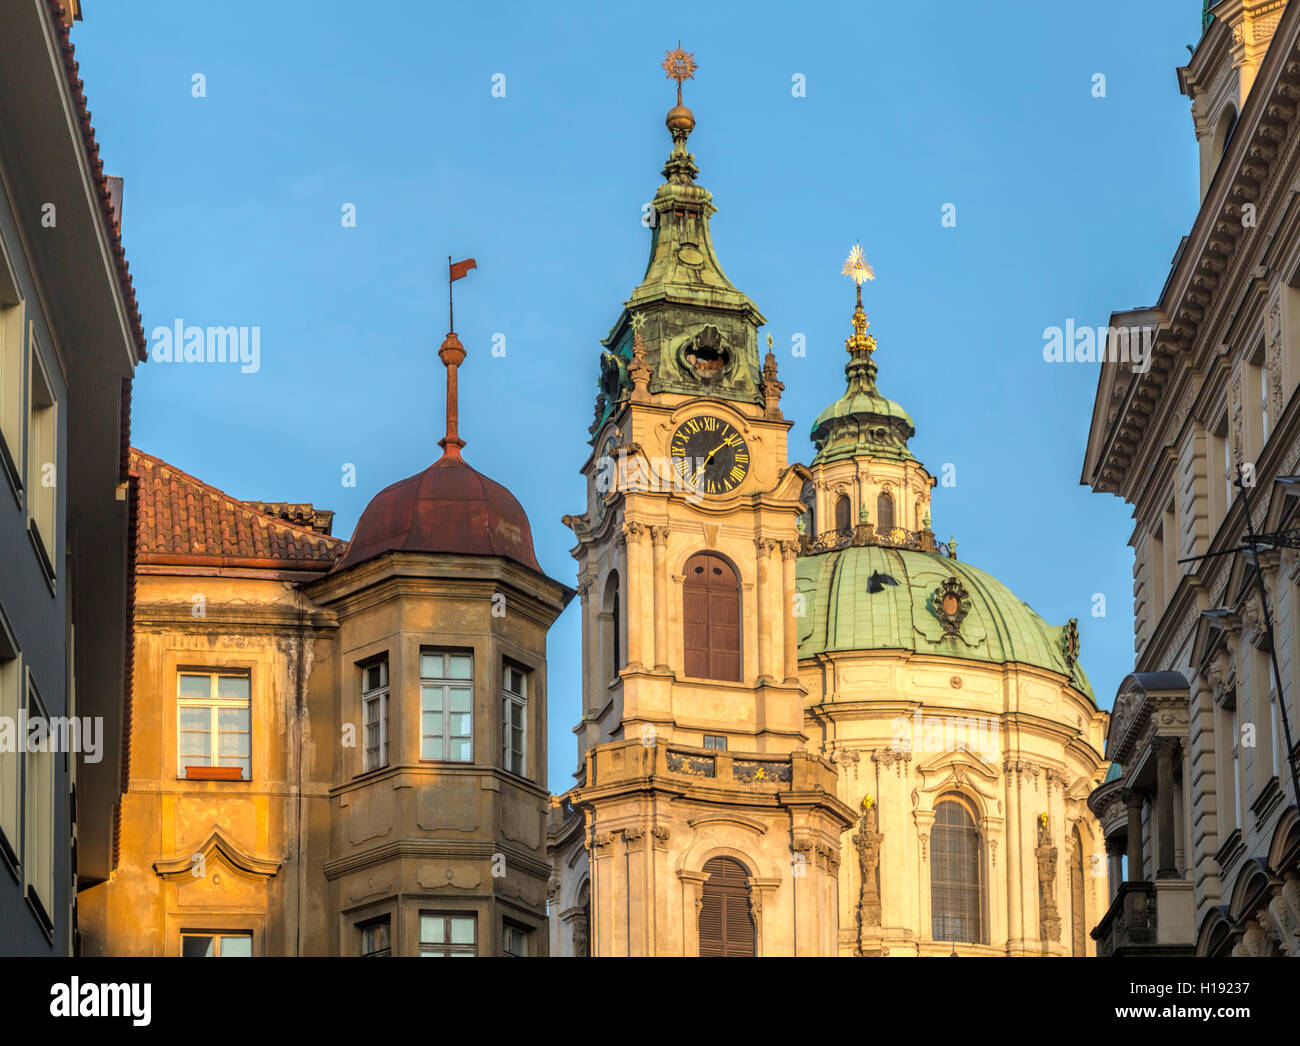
951	605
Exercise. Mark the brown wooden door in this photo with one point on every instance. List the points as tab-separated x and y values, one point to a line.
726	924
711	618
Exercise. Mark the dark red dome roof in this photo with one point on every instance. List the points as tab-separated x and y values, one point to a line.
446	508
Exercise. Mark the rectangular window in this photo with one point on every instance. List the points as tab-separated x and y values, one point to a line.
715	741
216	945
375	939
447	706
374	714
514	719
10	762
12	346
443	935
42	459
214	724
1263	404
514	941
38	821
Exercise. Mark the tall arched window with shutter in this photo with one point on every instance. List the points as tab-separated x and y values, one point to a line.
843	514
808	496
956	893
611	628
1078	916
884	513
711	618
726	921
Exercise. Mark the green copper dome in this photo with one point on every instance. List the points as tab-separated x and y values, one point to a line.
937	605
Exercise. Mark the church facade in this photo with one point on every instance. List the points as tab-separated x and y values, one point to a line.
806	728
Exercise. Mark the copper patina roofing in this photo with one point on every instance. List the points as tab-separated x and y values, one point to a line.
449	507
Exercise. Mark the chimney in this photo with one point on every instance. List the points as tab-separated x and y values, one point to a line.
115	200
71	12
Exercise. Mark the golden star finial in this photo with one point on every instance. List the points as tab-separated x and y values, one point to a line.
680	66
856	267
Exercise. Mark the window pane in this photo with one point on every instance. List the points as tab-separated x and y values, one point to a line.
236	947
432	929
462	929
232	688
431	698
460	724
194	686
462	666
462	699
431	666
461	751
431	748
193	947
192	718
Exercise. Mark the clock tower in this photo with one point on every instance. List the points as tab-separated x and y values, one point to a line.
699	823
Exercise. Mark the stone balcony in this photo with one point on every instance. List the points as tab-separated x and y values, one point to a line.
1152	919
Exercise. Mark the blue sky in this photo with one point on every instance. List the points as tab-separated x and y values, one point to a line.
1068	206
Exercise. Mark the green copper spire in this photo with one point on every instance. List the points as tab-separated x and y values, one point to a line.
699	332
862	422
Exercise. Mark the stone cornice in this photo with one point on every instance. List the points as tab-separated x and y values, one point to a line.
1215	265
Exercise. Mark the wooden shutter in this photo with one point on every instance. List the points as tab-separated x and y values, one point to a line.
711	618
884	514
726	924
1077	924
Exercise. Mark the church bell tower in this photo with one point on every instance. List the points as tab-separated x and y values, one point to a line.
699	823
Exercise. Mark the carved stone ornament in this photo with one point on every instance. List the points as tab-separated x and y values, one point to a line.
867	840
951	603
1070	643
1049	918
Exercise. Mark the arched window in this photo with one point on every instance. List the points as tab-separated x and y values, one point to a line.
711	618
582	924
1223	131
611	628
726	922
884	513
809	498
1078	925
956	897
843	514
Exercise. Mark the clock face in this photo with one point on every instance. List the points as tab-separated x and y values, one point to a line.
710	455
605	475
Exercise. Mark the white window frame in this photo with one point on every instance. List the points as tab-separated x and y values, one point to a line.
42	450
38	818
441	686
11	763
376	697
214	705
512	701
13	370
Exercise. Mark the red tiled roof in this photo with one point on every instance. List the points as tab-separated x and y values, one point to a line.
182	520
101	182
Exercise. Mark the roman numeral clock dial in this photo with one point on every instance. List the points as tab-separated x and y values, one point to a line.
710	455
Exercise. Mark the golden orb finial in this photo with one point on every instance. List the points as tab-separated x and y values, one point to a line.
680	66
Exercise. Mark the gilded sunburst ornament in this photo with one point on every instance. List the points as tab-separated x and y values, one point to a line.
856	267
680	65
